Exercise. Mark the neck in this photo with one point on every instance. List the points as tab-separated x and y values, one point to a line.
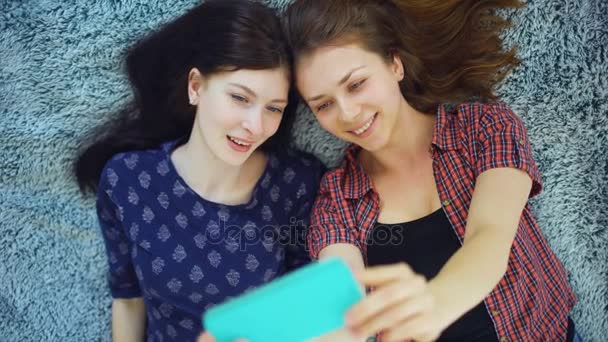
208	175
409	141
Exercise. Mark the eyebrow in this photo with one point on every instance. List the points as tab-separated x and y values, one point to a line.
342	81
252	93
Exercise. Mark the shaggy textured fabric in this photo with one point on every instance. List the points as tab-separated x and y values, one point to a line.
61	71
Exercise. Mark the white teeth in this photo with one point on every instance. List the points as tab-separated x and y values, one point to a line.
364	128
239	142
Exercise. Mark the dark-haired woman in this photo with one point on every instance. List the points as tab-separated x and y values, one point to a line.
198	198
432	196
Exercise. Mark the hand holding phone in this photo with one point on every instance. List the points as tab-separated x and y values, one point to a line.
301	305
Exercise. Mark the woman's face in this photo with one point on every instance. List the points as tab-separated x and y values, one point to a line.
353	93
237	111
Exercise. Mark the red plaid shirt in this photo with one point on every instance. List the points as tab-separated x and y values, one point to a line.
533	299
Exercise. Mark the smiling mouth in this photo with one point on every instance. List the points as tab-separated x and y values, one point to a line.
239	142
366	126
238	145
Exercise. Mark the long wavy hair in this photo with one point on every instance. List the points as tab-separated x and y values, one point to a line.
451	49
218	35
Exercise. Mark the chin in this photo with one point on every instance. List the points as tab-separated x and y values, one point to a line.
236	161
372	145
232	158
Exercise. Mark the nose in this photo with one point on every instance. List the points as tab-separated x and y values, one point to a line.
253	123
349	110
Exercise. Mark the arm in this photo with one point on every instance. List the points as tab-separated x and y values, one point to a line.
329	237
507	177
405	304
351	254
128	310
475	269
128	319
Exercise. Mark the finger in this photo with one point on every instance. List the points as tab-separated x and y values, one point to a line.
427	338
205	337
401	312
415	328
380	275
383	298
336	335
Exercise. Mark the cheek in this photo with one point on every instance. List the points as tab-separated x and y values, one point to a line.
392	94
272	124
217	120
228	115
378	95
328	122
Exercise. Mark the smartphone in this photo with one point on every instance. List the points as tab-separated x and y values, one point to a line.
301	305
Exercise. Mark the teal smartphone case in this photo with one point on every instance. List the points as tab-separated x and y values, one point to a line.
301	305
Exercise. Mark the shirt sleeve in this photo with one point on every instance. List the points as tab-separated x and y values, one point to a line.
503	142
326	224
122	279
296	251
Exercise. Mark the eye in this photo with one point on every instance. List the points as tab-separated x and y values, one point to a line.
239	98
275	110
356	85
323	106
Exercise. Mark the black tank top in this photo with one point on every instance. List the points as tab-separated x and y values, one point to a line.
425	245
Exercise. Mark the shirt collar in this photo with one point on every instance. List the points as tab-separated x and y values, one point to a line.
356	181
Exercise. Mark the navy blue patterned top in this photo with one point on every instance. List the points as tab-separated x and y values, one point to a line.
184	254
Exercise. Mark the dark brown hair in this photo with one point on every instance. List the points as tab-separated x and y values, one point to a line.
451	49
215	36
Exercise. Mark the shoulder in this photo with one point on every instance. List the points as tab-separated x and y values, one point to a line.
477	121
133	167
487	115
291	158
347	171
297	166
333	179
